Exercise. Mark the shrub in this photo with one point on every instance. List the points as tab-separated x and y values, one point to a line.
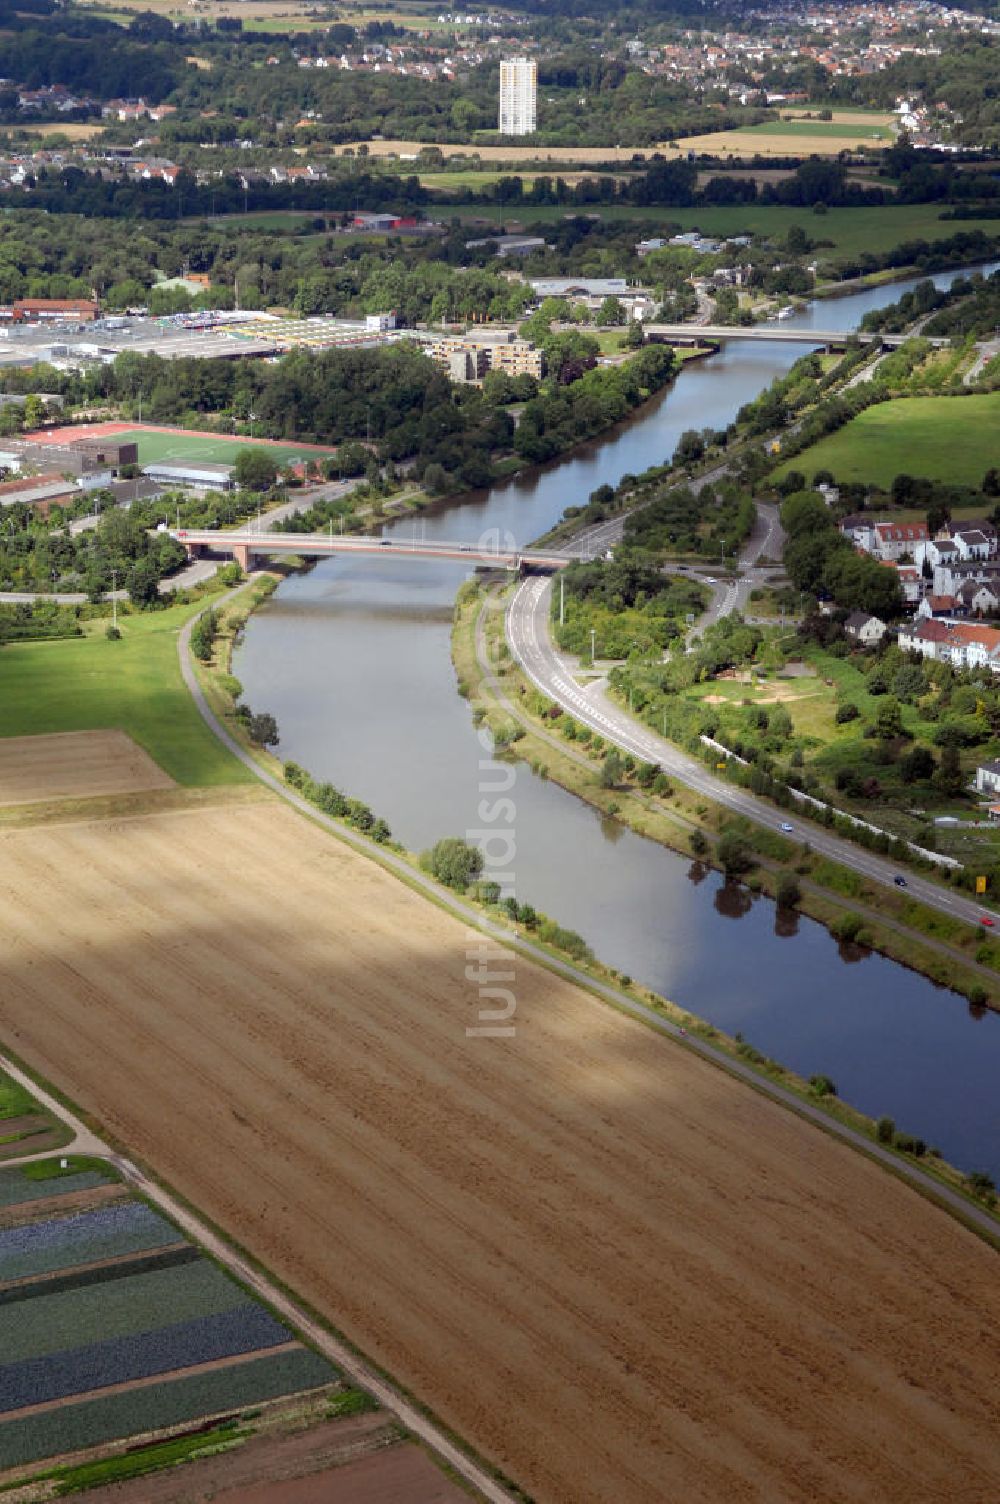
112	633
847	928
789	893
822	1086
735	853
885	1130
699	844
454	862
846	712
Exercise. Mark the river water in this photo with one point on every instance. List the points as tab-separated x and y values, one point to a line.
353	658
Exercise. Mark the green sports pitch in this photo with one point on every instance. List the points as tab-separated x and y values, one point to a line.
177	446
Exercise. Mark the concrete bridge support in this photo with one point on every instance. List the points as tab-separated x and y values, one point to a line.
243	554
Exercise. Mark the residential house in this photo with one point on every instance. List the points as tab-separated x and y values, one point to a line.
988	777
891	540
865	629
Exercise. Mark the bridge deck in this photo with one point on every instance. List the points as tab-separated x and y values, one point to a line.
246	543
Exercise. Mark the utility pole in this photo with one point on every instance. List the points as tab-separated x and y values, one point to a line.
114	600
593	650
562	601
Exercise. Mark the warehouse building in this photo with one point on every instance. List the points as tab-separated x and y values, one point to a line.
199	476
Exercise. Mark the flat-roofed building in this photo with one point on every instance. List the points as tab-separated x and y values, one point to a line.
194	474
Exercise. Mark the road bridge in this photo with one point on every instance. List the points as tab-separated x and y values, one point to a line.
700	334
246	544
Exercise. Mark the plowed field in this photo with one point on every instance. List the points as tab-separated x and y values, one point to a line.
75	765
619	1274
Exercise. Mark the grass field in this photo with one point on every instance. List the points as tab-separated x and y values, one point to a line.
849	231
865	133
164	444
938	438
133	685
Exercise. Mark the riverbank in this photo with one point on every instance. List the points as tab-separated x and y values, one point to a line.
503	698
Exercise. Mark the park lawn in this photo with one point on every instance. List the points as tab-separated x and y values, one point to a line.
134	685
177	446
936	438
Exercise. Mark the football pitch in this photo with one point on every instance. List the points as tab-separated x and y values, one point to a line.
166	446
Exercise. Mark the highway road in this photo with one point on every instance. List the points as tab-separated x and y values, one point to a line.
531	643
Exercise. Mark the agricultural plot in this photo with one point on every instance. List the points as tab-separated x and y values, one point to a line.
67	1428
729	1304
111	1322
75	765
83	1238
16	1189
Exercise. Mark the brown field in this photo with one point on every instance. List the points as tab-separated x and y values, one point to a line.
75	765
357	1460
614	1270
735	144
74	130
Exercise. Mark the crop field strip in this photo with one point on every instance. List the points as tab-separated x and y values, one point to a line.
158	1406
81	1238
99	1365
16	1189
101	1273
116	1308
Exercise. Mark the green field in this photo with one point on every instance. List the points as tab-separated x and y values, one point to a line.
937	438
88	683
800	128
210	448
849	231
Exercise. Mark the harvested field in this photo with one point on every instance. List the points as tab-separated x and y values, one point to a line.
75	765
614	1270
781	142
537	153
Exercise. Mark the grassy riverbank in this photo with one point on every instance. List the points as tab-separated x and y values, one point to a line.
948	951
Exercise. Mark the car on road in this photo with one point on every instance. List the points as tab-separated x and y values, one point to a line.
787	828
985	919
900	881
710	581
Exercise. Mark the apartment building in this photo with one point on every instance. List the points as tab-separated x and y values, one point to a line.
468	357
518	96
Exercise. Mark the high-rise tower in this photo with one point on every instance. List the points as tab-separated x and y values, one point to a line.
518	94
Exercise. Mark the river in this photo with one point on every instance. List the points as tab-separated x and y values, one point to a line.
353	658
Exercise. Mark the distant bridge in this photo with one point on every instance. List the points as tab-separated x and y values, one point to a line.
700	334
244	545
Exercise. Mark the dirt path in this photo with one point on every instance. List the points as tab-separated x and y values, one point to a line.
616	1271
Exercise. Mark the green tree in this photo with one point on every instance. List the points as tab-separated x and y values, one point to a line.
255	470
34	411
611	769
788	893
734	852
263	729
454	862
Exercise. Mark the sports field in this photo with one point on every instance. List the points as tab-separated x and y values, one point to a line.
613	1269
937	438
160	443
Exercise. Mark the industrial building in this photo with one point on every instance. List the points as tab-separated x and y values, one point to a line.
198	475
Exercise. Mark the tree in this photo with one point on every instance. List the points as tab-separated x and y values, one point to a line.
917	765
611	769
143	582
34	411
454	862
734	852
690	447
788	893
949	774
889	721
255	470
263	730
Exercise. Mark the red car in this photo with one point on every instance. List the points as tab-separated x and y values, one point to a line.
985	919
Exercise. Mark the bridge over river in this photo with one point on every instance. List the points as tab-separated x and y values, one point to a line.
700	334
246	544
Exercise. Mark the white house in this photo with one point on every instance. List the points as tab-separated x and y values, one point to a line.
988	777
868	630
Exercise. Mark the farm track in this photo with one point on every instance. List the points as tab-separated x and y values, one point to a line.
613	1269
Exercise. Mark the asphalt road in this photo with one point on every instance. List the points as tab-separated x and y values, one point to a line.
531	643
